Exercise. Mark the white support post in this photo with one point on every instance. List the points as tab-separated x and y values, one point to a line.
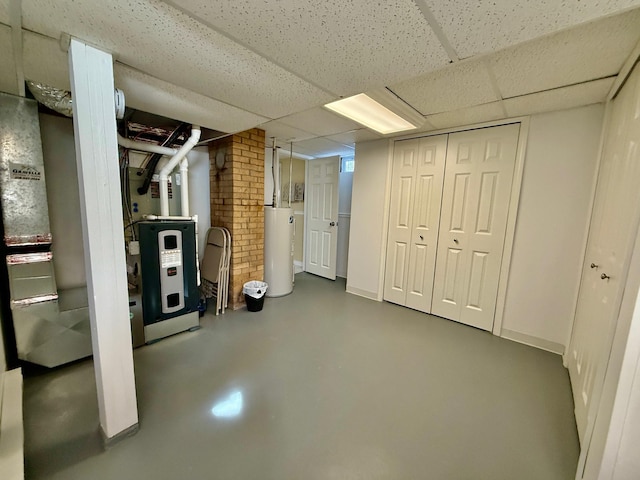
94	122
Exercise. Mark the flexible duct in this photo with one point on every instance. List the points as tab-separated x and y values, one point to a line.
54	98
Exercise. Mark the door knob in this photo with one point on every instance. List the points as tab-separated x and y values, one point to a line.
332	224
593	265
421	237
604	276
455	240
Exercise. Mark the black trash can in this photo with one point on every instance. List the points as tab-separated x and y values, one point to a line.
254	293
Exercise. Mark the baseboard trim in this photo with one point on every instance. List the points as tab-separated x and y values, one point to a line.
297	267
362	293
532	341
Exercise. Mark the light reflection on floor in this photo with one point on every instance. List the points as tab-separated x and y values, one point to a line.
229	407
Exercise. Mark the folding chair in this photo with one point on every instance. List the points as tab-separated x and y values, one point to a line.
215	266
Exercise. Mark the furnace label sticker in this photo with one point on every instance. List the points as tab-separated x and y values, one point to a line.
19	171
170	258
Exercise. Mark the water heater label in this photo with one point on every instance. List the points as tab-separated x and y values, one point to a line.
170	258
20	171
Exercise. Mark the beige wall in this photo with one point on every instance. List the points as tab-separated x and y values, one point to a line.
299	167
63	196
550	231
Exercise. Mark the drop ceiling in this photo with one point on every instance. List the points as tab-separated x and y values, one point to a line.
232	65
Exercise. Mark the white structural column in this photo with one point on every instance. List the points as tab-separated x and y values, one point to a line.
96	143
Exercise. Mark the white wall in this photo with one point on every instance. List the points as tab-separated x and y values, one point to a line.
64	200
345	187
367	218
551	227
268	176
200	192
550	230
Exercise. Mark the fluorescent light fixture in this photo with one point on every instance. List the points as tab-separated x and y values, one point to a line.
370	113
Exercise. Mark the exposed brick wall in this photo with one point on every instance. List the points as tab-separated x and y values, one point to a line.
237	199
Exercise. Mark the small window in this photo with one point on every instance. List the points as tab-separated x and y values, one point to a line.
348	164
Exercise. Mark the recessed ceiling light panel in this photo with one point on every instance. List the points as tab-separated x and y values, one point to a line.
365	110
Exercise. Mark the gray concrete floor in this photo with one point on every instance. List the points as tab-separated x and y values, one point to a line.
319	385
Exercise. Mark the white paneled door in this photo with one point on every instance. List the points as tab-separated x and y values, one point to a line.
322	217
475	206
614	223
418	170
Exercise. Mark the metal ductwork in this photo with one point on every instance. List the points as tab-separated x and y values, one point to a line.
51	327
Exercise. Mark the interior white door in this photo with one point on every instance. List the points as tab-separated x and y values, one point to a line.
322	217
416	193
612	230
475	206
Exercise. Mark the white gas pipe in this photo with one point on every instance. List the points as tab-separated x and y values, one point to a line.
184	187
168	168
145	147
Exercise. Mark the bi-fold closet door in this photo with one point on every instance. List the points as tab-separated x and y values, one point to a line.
447	222
416	192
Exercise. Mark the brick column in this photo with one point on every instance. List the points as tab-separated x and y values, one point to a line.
237	203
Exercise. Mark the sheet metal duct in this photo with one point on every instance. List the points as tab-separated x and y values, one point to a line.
22	186
51	327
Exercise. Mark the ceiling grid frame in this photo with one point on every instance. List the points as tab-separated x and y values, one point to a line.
245	45
570	78
437	29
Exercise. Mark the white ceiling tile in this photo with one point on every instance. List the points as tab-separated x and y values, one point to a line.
282	132
322	147
353	136
460	85
159	40
426	127
467	116
346	47
8	78
590	51
320	122
44	61
560	98
5	16
479	27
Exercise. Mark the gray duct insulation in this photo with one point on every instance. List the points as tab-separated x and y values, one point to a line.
60	100
55	98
